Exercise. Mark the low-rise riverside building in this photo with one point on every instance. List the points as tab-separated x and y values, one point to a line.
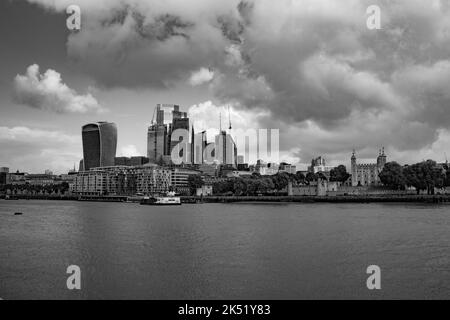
179	179
122	180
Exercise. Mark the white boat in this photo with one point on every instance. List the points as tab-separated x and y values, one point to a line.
169	200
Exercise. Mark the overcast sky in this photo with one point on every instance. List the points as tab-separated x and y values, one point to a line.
310	68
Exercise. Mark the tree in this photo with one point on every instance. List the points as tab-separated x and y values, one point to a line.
392	176
413	176
299	177
280	180
310	176
447	177
321	175
425	175
194	181
256	175
240	187
339	174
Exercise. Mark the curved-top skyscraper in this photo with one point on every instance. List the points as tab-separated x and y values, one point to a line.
99	144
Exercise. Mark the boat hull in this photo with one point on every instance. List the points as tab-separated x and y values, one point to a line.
161	204
170	201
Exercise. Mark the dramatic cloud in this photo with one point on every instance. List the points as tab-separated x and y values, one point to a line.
311	67
48	92
206	116
136	43
32	150
201	76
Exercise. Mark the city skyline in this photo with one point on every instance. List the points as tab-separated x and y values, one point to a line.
328	92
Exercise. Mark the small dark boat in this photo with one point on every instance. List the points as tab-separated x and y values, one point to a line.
18	213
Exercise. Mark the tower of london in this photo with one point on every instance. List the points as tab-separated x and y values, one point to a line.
367	174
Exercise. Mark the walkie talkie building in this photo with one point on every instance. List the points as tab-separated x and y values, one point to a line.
99	144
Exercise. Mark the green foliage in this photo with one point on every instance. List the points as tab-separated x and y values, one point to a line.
299	177
195	181
61	188
393	176
310	177
425	175
280	180
253	185
339	174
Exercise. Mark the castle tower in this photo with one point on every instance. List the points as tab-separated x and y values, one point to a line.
379	160
354	169
383	158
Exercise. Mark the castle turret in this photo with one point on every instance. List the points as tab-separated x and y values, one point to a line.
381	160
354	169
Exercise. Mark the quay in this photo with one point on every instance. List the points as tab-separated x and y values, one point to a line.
318	199
231	199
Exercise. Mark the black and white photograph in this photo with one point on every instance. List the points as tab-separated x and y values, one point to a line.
224	150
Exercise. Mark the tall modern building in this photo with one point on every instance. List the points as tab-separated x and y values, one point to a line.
159	135
157	142
178	123
225	149
99	144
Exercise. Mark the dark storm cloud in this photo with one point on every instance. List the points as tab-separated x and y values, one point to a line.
312	65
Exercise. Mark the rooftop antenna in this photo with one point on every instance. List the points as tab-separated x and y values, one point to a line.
153	116
229	117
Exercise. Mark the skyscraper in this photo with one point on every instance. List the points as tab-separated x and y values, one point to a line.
179	123
159	135
157	142
99	144
225	149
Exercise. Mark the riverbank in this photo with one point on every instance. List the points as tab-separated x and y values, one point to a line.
231	199
335	199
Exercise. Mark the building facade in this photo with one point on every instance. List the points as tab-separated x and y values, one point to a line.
367	174
289	168
157	140
225	149
131	161
122	181
159	135
150	180
99	145
90	183
319	165
179	179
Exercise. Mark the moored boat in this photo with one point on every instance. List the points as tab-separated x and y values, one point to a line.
169	200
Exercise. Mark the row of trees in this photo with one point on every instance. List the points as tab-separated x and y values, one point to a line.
426	175
257	184
61	188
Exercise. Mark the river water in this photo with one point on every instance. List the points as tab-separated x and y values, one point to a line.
223	251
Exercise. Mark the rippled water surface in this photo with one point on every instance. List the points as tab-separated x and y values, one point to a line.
223	251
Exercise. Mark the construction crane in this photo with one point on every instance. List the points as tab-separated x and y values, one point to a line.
153	116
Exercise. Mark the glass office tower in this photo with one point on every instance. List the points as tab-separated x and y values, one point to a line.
99	144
